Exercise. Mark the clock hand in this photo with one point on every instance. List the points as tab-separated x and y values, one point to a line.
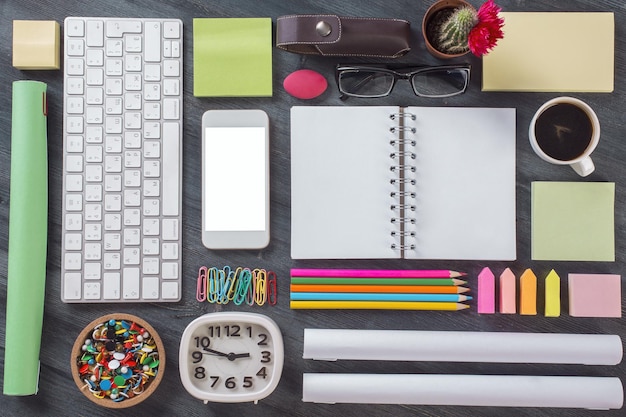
230	356
215	352
233	356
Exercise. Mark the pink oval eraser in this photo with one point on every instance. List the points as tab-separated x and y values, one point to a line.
305	84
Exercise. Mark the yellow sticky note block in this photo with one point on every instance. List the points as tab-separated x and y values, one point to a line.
528	293
553	295
36	44
550	51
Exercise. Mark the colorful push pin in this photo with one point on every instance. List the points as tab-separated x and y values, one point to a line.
507	292
486	292
553	295
105	384
528	293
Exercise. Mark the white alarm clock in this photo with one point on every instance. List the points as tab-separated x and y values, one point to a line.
231	357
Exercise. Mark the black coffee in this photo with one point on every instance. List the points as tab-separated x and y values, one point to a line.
563	131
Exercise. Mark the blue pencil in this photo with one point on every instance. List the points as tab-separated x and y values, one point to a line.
326	296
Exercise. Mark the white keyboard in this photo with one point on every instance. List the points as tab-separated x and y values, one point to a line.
122	167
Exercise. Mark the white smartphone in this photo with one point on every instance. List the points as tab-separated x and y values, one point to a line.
235	179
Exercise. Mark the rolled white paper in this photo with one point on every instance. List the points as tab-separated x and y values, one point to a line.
599	393
453	346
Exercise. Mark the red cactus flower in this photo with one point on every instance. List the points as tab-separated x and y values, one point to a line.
484	36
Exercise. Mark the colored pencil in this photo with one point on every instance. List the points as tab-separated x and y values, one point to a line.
372	273
375	305
416	289
376	281
330	296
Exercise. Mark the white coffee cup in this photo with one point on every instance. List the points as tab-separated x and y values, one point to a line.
581	163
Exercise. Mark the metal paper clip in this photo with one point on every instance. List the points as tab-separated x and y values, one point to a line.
201	285
272	288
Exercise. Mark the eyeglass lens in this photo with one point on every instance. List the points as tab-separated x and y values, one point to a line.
366	83
439	82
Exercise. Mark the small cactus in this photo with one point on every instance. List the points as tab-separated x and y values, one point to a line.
453	33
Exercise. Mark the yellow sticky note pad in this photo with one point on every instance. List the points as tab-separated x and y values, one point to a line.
553	295
553	51
528	293
36	44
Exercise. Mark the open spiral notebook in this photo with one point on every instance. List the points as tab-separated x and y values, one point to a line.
402	182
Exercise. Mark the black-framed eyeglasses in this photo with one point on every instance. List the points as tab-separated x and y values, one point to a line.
370	81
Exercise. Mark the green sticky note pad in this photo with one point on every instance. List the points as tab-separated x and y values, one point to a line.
573	221
232	57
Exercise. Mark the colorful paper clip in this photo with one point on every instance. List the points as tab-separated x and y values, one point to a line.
272	289
202	283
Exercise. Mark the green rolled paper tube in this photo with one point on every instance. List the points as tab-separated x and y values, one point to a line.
28	235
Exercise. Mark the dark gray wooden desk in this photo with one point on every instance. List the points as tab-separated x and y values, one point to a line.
58	395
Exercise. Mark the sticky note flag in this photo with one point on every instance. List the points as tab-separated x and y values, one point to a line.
595	295
528	293
486	292
507	292
553	295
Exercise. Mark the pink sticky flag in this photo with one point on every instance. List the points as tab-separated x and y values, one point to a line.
507	292
486	292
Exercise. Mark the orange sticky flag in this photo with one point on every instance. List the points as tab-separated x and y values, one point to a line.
528	293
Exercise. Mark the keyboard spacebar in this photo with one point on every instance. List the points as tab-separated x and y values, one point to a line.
171	169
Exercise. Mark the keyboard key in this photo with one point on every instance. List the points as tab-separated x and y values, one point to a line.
152	41
169	291
171	165
111	286
130	283
95	33
72	282
150	288
74	27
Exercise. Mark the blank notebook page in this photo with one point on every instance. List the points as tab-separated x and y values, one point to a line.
341	183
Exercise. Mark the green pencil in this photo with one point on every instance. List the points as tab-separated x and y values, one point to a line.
376	281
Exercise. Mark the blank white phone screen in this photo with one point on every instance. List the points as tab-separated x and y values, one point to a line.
234	181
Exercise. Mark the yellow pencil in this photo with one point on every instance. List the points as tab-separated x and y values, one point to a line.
376	305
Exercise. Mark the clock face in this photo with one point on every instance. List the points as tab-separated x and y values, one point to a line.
231	357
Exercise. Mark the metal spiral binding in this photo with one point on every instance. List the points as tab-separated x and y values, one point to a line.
395	116
403	198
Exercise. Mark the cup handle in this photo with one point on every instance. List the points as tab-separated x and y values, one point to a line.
584	167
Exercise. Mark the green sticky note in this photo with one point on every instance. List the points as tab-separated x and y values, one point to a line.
232	57
573	221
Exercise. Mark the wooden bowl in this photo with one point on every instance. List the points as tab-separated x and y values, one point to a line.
138	382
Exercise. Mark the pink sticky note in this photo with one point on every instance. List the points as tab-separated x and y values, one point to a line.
486	292
595	295
507	292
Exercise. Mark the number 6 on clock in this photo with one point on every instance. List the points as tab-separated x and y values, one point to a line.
231	357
